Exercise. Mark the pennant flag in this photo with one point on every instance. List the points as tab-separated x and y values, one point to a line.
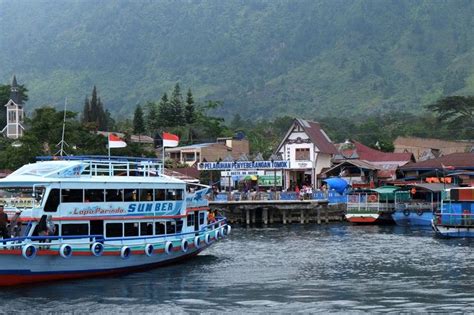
170	140
116	142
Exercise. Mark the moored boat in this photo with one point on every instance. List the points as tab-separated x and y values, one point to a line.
456	218
373	206
416	204
78	217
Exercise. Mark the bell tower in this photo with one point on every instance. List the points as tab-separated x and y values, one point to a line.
15	115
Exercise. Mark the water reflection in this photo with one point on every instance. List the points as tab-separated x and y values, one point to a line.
336	267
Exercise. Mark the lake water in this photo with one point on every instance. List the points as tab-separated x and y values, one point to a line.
282	269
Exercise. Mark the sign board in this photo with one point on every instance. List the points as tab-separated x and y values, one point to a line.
243	165
241	173
301	164
269	180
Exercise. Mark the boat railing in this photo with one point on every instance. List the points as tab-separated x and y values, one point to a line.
368	202
417	205
455	219
47	241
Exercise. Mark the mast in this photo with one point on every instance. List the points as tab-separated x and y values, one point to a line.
62	142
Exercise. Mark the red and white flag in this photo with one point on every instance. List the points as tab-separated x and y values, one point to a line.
116	142
170	140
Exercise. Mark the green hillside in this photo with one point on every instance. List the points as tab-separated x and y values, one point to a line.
262	58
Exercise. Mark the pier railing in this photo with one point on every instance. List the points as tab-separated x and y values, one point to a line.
331	197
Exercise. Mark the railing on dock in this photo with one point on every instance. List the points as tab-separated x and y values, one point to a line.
331	196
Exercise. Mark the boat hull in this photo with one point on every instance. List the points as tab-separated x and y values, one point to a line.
369	218
406	218
455	232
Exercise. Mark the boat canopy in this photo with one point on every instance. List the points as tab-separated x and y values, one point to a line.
337	183
386	193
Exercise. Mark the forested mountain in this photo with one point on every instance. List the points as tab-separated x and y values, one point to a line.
308	58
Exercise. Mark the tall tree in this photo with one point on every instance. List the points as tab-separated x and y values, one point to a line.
94	116
176	103
164	112
152	118
138	121
458	113
189	113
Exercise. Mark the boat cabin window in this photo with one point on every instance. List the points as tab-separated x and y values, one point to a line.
179	226
146	228
159	194
72	195
94	195
159	228
131	229
114	195
74	229
174	194
97	227
190	218
202	215
146	194
52	202
130	194
170	227
114	229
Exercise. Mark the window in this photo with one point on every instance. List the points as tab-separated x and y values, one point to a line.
146	194
146	228
190	220
130	194
53	201
179	226
72	195
75	229
302	154
114	195
97	227
159	194
131	229
174	194
170	227
201	218
114	230
94	195
159	228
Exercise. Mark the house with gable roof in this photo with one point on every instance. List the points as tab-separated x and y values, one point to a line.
308	149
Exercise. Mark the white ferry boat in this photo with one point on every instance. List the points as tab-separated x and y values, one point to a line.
107	216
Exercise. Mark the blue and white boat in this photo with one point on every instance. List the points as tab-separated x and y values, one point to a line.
415	204
456	218
111	215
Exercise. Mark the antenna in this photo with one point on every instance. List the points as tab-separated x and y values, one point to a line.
61	143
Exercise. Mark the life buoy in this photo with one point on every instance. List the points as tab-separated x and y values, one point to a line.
149	250
413	191
168	247
97	249
222	232
184	245
372	198
207	239
29	251
65	251
216	235
125	252
406	212
197	242
419	212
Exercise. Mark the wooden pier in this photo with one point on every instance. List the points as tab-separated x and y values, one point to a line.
250	212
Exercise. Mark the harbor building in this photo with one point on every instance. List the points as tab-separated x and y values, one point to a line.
309	150
15	114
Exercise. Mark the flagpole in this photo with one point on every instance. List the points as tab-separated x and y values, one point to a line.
108	143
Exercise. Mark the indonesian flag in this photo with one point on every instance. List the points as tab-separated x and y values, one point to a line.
116	142
170	140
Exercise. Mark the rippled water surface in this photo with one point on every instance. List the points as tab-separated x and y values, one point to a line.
335	268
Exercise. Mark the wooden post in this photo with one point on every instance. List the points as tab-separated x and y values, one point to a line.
318	214
271	214
302	216
265	216
284	216
327	215
247	217
253	216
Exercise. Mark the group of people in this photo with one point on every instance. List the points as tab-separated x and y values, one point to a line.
9	228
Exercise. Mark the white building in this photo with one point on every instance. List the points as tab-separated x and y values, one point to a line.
15	115
308	149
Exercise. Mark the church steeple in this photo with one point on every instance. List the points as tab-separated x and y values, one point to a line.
15	94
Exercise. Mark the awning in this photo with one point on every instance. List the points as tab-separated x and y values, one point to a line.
386	193
250	177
